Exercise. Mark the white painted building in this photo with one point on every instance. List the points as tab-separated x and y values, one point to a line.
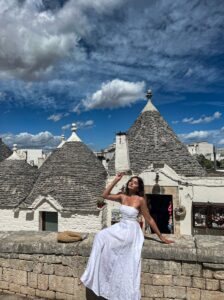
106	155
61	195
207	150
34	157
171	176
198	148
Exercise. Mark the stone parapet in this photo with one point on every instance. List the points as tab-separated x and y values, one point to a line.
35	265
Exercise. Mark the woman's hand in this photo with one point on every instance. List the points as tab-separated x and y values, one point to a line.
107	192
165	240
119	176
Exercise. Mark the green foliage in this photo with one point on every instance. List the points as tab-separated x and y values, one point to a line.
205	163
221	163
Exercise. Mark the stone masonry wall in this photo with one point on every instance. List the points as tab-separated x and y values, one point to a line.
35	265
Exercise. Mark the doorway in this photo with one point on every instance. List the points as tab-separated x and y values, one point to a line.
49	221
161	209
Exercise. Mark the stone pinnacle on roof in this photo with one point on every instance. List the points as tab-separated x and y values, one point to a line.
62	141
15	155
149	106
74	137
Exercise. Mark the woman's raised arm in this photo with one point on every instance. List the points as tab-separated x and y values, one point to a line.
107	195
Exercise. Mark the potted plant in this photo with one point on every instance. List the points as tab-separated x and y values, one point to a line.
100	203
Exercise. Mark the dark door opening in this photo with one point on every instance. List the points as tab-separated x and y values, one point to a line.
49	221
161	209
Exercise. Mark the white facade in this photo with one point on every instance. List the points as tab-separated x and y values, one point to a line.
106	155
34	157
200	148
30	219
184	191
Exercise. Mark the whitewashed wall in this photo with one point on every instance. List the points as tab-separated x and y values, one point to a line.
28	220
10	221
190	189
196	190
201	190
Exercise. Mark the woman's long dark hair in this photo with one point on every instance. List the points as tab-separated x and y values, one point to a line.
141	190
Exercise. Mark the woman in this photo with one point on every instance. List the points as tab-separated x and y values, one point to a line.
114	267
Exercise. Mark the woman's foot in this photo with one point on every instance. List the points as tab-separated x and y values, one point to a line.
80	282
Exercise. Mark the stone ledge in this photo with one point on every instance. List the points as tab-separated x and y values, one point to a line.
203	249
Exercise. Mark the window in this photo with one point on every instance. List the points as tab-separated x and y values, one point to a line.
48	221
208	218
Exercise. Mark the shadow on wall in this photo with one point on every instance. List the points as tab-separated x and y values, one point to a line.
91	296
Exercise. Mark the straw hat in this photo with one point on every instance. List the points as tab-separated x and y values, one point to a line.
70	237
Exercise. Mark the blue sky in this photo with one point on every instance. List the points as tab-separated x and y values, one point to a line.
91	62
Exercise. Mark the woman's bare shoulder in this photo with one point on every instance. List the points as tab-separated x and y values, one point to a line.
141	199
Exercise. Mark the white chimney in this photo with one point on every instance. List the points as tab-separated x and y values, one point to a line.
122	162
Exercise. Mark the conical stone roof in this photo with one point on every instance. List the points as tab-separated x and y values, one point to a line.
73	176
17	178
4	151
151	140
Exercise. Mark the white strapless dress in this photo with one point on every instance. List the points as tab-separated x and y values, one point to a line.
114	267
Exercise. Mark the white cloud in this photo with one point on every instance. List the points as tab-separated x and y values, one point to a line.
113	94
196	135
57	117
221	142
167	44
79	124
66	127
85	124
203	119
3	97
211	136
35	39
44	140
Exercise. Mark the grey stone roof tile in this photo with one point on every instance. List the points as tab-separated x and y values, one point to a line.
16	180
151	140
72	175
5	151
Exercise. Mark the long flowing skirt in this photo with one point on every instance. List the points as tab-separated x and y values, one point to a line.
114	267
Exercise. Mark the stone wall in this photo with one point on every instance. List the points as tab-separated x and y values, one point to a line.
35	265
